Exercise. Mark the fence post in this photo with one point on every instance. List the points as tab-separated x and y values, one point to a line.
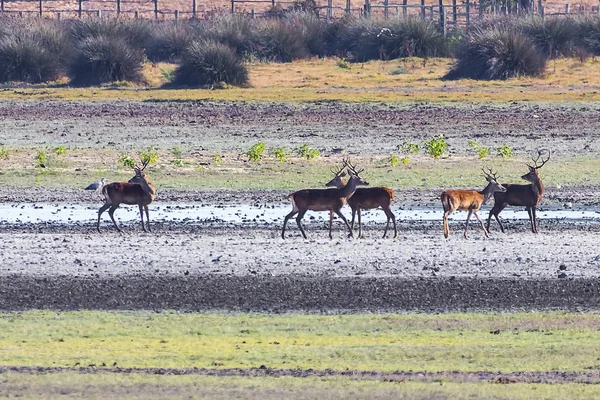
80	8
468	6
423	9
136	15
329	10
566	8
385	8
253	14
541	8
232	6
273	3
481	9
176	15
193	8
349	10
155	9
454	12
367	9
2	5
431	12
41	8
404	8
118	7
58	16
442	16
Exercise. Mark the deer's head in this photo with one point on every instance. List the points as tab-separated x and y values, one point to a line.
354	173
492	179
533	175
338	178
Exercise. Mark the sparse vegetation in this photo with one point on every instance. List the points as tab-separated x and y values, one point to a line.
60	150
149	156
305	151
280	153
482	151
3	153
216	159
126	161
408	148
505	151
255	153
41	157
436	146
394	160
176	151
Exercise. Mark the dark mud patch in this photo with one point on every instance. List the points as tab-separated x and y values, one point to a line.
542	377
295	293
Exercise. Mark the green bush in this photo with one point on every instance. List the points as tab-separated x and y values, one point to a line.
412	37
168	41
278	41
255	153
126	161
305	151
436	146
357	39
233	30
505	151
137	33
589	33
482	151
280	153
499	51
103	59
206	63
150	156
311	28
554	37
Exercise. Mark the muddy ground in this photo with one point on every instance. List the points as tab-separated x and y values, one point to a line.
200	266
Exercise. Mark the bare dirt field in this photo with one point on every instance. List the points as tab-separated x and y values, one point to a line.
243	266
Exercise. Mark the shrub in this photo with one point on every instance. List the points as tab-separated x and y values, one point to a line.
234	30
357	38
305	151
168	41
137	32
505	151
24	58
41	157
482	151
126	161
554	37
105	59
149	156
311	29
280	153
3	153
255	153
436	146
60	150
278	41
208	63
408	148
412	37
394	160
497	52
589	33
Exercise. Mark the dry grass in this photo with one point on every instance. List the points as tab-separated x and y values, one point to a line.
322	79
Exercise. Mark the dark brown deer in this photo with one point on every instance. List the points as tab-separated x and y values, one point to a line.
469	200
529	196
331	200
139	190
367	199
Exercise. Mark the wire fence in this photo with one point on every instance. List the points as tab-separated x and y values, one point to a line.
446	12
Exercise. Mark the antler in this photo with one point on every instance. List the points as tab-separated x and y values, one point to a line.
143	167
352	168
339	171
490	175
535	161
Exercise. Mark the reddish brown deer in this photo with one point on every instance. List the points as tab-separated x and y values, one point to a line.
367	199
331	200
529	196
469	200
139	190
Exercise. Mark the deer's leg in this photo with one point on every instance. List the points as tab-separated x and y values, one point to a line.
446	226
534	219
339	213
353	215
100	211
495	211
359	224
141	207
111	213
467	224
298	219
531	219
147	218
330	223
290	215
485	232
390	215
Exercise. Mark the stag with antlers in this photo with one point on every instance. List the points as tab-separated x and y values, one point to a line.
469	200
529	196
331	200
139	190
366	199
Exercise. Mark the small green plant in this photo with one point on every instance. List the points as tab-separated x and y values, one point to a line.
216	159
505	151
436	146
41	157
341	63
60	150
404	160
178	162
394	160
176	151
255	153
408	148
149	156
167	74
280	153
3	153
305	151
482	151
126	161
397	71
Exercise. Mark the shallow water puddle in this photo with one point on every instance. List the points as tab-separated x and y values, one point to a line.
249	213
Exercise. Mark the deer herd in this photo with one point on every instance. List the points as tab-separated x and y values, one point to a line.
141	192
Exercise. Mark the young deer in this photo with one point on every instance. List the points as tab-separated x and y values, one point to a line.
367	199
331	200
469	200
529	196
139	190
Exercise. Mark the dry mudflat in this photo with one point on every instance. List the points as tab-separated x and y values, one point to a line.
230	266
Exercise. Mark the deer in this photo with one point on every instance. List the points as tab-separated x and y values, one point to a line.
528	195
331	200
469	200
366	199
138	190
